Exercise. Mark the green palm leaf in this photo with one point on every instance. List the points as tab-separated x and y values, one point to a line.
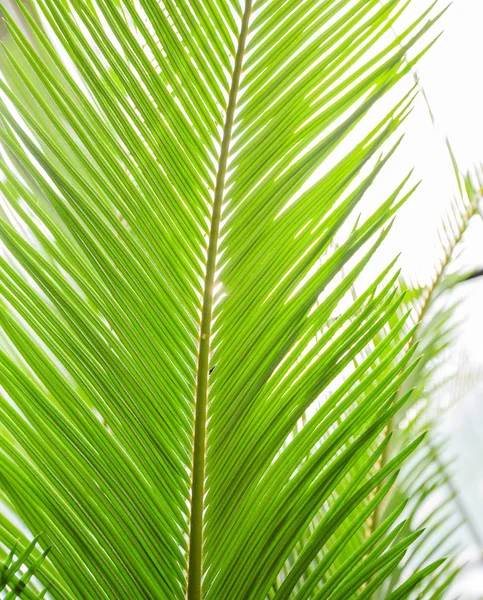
15	575
182	413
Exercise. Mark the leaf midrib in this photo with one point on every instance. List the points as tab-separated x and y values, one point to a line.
195	558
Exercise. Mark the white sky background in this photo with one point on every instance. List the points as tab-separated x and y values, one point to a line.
451	75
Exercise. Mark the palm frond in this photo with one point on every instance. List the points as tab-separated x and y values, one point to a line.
182	412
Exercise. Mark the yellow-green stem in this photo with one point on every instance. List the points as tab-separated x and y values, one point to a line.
195	562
